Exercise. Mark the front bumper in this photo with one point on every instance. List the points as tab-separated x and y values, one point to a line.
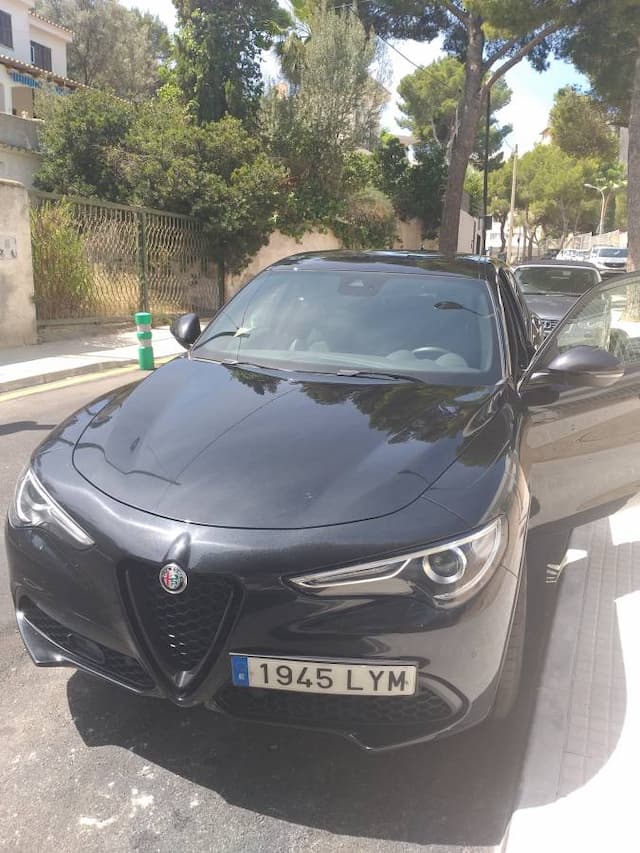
81	615
103	610
612	270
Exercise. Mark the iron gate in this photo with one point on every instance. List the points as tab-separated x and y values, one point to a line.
95	259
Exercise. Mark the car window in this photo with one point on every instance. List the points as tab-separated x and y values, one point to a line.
570	281
518	348
610	253
609	320
437	325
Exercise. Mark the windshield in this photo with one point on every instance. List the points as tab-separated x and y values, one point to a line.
426	326
571	281
611	253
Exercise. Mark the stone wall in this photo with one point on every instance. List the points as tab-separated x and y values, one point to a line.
282	245
17	308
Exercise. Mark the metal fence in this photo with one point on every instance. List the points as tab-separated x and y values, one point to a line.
95	259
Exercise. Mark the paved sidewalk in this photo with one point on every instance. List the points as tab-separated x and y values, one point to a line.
22	367
581	777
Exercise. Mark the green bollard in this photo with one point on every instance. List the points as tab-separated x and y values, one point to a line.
145	350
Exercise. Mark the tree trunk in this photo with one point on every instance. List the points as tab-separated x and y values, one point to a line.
503	235
221	275
633	184
463	142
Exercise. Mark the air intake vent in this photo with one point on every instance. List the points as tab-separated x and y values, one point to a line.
100	658
426	707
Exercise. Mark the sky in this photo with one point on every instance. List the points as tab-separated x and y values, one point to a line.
531	101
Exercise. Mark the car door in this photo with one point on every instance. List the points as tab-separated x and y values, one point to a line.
580	444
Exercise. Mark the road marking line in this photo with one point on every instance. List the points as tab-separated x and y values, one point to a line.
57	384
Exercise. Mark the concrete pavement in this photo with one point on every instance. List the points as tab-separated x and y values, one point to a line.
23	367
581	776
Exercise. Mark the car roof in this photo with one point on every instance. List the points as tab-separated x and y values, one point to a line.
546	262
399	261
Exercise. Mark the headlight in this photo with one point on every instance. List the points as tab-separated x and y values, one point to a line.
457	568
33	506
450	570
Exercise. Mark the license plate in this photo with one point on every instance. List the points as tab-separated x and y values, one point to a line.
322	676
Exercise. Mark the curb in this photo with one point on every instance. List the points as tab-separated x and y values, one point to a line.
56	375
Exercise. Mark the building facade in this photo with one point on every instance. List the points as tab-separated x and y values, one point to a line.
33	57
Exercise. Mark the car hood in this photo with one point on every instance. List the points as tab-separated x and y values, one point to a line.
218	445
551	306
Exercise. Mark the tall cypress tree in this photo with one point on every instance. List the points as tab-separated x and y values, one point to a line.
218	47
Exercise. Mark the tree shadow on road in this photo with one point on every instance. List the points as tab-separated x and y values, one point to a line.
457	791
23	426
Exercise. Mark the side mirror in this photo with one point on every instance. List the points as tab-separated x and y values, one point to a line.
584	366
186	329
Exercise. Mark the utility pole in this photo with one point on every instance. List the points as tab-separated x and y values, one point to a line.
513	203
485	192
602	206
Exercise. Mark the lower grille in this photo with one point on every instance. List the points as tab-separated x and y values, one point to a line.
99	657
180	629
280	706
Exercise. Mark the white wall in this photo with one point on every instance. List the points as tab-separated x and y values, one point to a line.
281	246
409	234
17	308
20	25
467	230
56	40
19	165
27	28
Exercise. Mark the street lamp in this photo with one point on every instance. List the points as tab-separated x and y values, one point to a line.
513	203
601	191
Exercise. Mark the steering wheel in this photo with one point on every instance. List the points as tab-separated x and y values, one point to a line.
425	350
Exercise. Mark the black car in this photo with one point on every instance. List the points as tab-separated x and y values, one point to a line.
550	288
317	516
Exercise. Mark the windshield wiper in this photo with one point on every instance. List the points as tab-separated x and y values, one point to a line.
456	306
233	362
372	374
381	374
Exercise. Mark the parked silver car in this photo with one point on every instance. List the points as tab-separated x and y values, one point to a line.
609	259
550	288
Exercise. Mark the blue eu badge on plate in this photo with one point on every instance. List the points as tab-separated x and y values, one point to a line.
240	670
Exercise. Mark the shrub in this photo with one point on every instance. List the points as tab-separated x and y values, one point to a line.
367	221
62	274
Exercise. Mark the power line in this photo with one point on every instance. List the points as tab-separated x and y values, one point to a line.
384	41
400	53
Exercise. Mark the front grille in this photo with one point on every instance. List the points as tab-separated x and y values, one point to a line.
180	629
105	660
345	712
548	326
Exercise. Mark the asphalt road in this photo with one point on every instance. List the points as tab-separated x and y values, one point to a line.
85	766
